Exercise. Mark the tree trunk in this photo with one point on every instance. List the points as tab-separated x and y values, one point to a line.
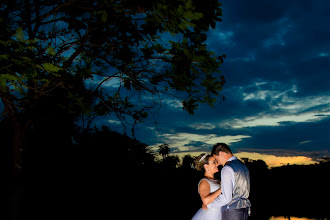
20	131
16	187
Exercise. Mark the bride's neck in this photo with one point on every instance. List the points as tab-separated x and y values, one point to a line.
209	175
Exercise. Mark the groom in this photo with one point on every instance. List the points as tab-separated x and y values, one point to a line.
235	185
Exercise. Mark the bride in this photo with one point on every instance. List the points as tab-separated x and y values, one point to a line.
208	187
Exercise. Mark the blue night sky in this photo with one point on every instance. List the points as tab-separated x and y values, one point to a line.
277	72
277	85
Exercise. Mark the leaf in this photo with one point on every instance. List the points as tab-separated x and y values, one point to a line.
26	59
190	106
104	16
3	57
51	51
159	48
19	34
51	68
7	77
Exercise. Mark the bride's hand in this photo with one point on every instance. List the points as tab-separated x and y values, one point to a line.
204	206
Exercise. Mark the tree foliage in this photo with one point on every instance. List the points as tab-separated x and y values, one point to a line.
129	54
164	150
122	41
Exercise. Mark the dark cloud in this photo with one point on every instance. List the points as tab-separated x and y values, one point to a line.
257	11
277	76
295	137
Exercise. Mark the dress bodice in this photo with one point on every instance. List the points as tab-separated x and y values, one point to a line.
210	213
214	184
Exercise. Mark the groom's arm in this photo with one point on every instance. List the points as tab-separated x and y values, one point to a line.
227	186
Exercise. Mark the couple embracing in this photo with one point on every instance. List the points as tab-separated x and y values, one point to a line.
228	200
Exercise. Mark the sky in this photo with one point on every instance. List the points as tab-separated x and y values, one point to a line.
277	71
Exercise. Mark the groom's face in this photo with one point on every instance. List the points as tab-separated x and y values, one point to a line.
220	158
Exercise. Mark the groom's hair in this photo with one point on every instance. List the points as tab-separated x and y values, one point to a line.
220	147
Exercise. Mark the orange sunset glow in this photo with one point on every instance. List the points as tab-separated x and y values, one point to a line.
274	161
284	218
271	160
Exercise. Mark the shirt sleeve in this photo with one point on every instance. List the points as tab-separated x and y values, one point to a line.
227	186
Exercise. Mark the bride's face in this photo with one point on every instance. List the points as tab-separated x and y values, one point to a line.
213	165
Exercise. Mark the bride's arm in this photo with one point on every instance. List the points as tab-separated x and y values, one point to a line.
204	192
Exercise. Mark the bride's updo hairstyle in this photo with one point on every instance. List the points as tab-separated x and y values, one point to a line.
201	161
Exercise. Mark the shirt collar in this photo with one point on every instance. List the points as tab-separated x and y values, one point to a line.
232	158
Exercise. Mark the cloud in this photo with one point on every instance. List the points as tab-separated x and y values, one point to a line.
110	83
281	105
173	103
272	94
305	142
281	153
222	37
279	120
202	126
180	142
324	54
277	38
116	122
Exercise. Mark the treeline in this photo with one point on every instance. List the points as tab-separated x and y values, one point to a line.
96	174
291	190
102	174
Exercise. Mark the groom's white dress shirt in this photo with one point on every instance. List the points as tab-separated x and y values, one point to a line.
227	186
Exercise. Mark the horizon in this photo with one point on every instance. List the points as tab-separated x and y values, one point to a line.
271	160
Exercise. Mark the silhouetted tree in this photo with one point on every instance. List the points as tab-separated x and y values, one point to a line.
164	150
6	147
325	160
187	161
45	44
109	148
171	161
259	176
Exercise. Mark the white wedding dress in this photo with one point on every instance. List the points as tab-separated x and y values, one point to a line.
209	214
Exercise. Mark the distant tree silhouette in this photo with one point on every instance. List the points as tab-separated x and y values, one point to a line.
108	148
284	191
187	161
171	161
325	160
259	176
164	150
